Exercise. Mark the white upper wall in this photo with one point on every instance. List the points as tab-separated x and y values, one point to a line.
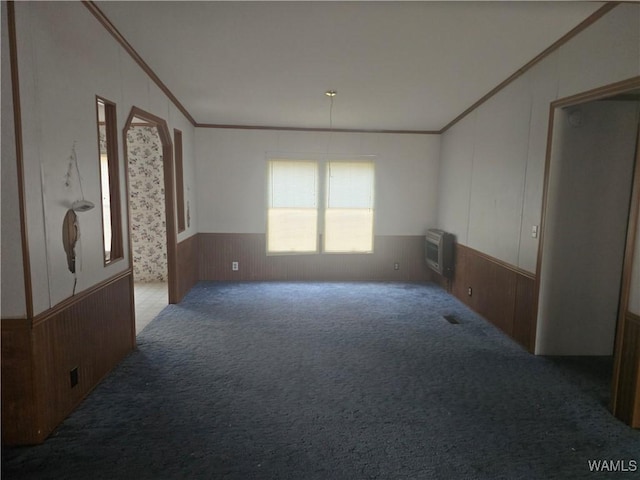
66	58
492	162
232	175
487	189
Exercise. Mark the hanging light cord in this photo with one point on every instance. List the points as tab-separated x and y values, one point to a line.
331	113
331	94
75	161
73	165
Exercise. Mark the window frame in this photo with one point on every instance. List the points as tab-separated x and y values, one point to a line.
322	164
116	250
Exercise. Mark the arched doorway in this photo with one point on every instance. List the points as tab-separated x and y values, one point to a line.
153	129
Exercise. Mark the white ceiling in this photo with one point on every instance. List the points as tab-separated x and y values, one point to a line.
395	65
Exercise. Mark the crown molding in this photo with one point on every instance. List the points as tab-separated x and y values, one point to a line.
590	20
312	129
115	33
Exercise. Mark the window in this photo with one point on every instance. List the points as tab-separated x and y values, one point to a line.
348	214
110	183
296	206
292	217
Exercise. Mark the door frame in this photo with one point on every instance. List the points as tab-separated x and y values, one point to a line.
625	396
169	195
620	389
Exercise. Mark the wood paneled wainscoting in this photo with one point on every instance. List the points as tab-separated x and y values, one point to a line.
218	250
51	362
501	293
627	407
187	265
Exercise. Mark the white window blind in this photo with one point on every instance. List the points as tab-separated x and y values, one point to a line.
292	206
349	206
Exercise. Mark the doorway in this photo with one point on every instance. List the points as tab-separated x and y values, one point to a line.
586	216
151	230
148	230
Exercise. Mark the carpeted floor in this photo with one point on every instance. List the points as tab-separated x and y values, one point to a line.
333	381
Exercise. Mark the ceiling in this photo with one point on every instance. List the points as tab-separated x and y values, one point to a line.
395	65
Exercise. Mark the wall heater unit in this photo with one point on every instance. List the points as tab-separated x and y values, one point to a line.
439	252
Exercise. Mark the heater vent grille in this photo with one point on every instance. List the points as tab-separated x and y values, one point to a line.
451	319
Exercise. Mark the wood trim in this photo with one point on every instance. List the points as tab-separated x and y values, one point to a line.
584	97
312	129
627	269
136	124
177	139
543	210
113	166
169	195
590	95
590	20
106	23
115	33
17	120
69	302
600	93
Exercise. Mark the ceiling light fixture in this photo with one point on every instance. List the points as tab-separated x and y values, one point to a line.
331	93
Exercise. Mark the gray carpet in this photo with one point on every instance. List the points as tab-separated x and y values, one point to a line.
333	381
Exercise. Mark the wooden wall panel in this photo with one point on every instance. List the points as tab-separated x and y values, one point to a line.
493	292
218	250
18	396
628	398
91	332
500	293
187	265
524	320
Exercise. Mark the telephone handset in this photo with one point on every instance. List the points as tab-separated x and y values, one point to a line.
69	238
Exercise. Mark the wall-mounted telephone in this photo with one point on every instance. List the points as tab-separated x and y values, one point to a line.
69	238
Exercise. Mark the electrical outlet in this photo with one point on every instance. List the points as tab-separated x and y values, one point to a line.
470	291
73	377
396	266
235	266
534	231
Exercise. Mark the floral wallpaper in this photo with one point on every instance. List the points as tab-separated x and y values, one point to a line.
146	203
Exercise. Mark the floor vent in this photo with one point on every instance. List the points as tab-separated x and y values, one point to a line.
451	319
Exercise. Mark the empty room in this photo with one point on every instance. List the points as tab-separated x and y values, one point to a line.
320	239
